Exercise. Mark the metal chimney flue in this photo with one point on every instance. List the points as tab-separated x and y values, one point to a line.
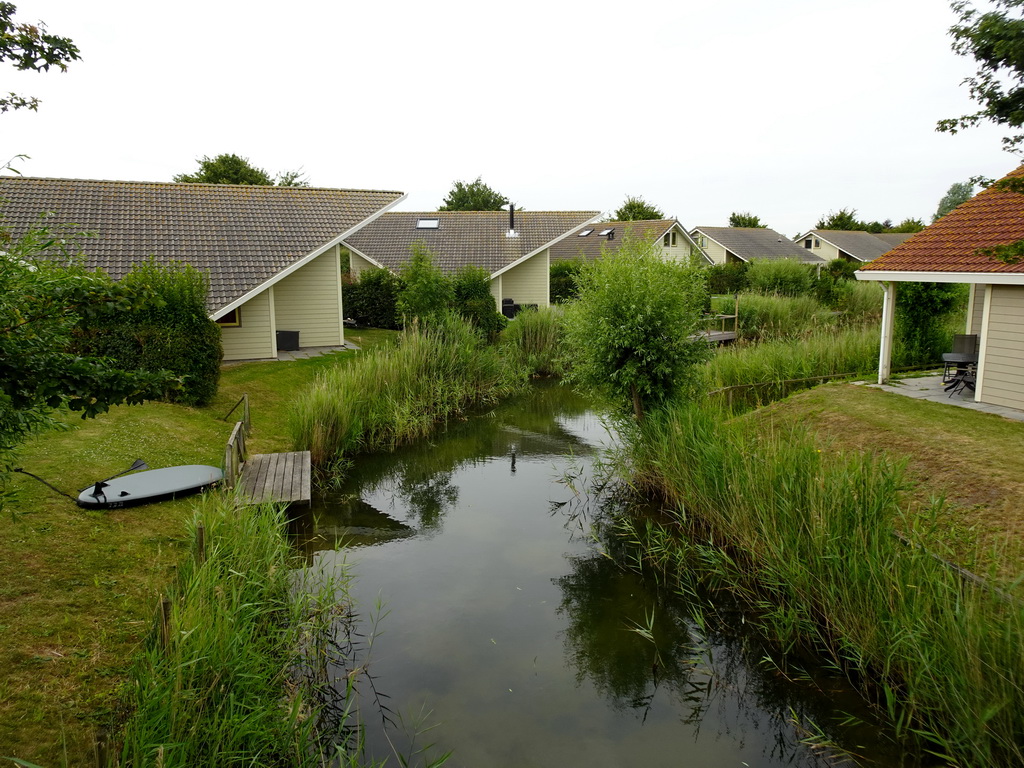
511	221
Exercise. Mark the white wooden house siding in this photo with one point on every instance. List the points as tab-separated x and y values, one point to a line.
253	339
1001	380
715	252
309	301
357	264
975	309
528	283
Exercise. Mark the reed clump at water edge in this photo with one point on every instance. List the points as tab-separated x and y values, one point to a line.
218	683
398	393
807	538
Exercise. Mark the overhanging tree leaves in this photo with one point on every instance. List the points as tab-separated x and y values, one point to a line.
630	333
995	39
958	193
473	196
30	47
637	209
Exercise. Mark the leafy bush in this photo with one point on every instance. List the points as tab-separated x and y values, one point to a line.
373	299
922	311
426	293
174	335
563	280
782	276
727	278
471	289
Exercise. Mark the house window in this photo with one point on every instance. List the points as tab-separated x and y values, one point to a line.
427	223
817	243
231	319
605	232
807	243
584	233
669	240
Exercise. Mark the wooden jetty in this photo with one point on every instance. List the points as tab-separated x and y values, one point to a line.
284	478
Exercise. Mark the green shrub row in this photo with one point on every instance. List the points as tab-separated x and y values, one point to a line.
177	335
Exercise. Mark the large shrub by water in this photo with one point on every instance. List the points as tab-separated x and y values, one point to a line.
176	335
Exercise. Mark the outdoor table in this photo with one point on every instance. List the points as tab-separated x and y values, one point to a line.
963	377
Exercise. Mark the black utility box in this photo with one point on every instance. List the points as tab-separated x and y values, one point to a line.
287	341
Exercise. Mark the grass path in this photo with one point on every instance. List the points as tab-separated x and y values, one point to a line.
78	588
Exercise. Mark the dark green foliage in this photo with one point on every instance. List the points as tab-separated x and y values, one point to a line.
30	47
957	194
995	39
637	209
42	298
426	293
746	219
842	219
727	278
174	335
563	279
921	313
373	300
232	169
473	196
785	277
831	286
471	289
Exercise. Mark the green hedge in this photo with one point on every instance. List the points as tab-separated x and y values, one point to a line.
175	335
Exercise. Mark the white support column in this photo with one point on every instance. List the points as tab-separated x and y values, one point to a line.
888	313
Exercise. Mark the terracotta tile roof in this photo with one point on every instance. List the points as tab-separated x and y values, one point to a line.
589	246
464	237
241	236
857	243
992	217
749	243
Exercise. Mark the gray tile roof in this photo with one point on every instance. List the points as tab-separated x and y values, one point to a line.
590	246
749	243
241	236
464	237
861	245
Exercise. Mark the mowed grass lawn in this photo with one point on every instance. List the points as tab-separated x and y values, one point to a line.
973	461
78	588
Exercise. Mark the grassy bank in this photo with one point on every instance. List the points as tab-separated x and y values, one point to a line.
399	393
218	684
78	588
804	534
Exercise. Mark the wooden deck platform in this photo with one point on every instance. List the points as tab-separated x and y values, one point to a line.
278	477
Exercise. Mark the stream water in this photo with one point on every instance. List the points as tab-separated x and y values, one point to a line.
508	629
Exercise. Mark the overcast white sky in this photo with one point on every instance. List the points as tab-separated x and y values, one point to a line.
787	109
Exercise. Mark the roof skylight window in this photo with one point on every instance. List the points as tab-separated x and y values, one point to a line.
584	233
427	223
605	232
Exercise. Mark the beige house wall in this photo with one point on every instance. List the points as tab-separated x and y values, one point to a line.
715	252
356	264
1002	379
975	309
528	283
820	248
253	338
309	301
678	248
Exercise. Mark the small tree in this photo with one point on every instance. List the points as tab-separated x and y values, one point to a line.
562	285
844	218
473	196
471	291
426	293
957	194
637	209
746	219
373	299
631	332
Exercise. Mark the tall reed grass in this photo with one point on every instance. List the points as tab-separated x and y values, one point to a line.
532	340
806	537
764	317
221	689
394	394
770	370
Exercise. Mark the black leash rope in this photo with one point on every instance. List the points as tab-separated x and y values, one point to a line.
58	490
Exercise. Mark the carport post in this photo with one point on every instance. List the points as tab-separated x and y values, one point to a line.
888	312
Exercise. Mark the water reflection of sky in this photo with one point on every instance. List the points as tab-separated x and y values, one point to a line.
515	630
